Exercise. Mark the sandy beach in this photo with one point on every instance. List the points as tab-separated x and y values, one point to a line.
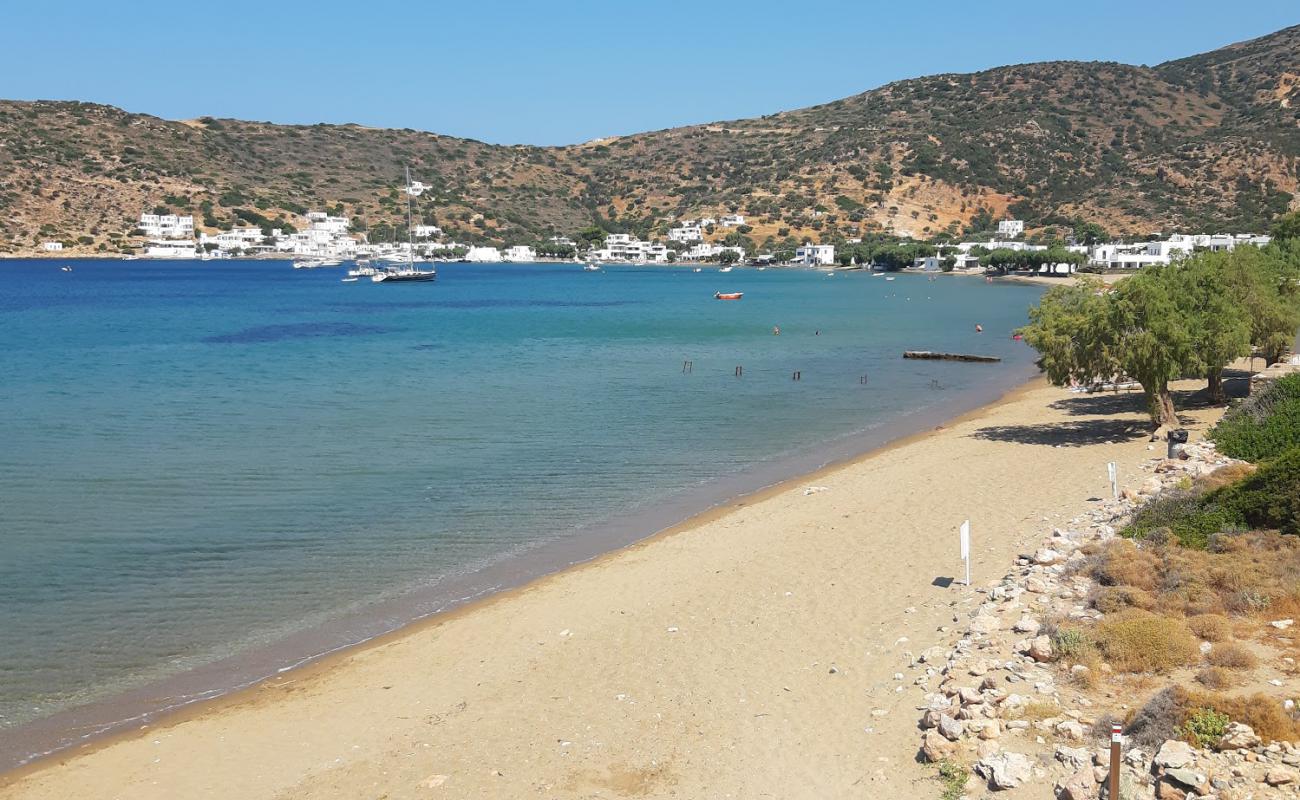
748	653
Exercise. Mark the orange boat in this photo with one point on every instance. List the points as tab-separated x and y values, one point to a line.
728	295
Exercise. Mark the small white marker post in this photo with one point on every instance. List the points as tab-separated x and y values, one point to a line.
1114	479
965	548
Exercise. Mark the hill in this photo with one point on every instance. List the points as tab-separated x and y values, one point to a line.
1206	143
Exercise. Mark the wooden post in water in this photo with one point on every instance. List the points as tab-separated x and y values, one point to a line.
794	376
739	371
687	366
1113	782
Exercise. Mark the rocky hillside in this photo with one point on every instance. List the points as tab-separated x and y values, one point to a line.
1210	142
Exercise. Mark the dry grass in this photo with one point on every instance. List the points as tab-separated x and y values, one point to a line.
1214	678
1211	627
1038	710
1109	599
1134	640
1261	712
1231	655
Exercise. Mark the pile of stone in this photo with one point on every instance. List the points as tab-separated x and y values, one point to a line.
1001	699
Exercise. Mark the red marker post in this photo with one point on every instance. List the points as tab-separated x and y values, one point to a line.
1115	739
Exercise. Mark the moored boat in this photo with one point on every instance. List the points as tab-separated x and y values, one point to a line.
728	295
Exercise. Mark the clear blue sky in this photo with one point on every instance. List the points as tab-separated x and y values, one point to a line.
560	72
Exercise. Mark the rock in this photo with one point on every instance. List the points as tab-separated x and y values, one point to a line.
1004	770
1174	754
950	728
1189	778
1036	584
930	719
985	623
1027	624
1079	786
934	655
1040	649
1047	556
1279	776
1170	790
1151	485
1070	730
968	696
935	748
1073	757
1282	624
1238	736
991	730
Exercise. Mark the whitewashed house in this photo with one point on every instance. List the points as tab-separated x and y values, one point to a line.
815	254
520	252
171	248
483	255
732	220
52	247
685	233
425	231
167	226
1011	228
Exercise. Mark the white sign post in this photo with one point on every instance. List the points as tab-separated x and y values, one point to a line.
965	548
1114	479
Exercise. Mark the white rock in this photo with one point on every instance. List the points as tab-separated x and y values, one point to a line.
1174	754
1005	770
1027	624
1282	624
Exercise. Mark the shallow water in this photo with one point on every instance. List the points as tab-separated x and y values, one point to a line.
200	459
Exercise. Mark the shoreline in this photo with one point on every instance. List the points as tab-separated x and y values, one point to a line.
501	610
204	688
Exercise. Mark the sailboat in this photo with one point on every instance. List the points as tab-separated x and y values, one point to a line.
409	272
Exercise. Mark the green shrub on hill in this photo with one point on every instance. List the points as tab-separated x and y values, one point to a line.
1268	499
1264	425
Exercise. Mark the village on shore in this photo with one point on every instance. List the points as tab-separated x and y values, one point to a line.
326	236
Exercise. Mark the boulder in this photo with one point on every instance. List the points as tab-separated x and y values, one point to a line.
930	719
1074	757
1047	555
1079	786
1070	730
991	729
1004	770
1174	754
1036	585
950	728
1190	779
1027	624
1238	736
1280	776
1040	649
935	748
985	623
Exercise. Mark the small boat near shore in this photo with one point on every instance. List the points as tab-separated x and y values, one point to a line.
726	269
728	295
591	267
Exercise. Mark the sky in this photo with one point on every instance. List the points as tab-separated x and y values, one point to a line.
550	73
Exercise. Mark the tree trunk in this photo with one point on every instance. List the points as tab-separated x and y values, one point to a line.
1214	385
1160	404
1164	407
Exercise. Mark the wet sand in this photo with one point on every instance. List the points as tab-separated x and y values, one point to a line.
748	652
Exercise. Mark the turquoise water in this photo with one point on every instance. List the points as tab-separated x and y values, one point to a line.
198	459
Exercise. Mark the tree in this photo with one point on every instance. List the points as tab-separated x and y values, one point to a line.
1216	316
728	257
1069	329
1089	233
1151	338
1287	227
593	235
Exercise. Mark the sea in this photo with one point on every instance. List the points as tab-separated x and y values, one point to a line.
211	472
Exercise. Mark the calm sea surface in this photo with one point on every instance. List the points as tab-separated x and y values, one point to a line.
200	459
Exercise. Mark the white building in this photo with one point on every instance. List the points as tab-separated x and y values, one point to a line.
171	248
702	251
167	226
320	221
520	252
1011	228
245	238
732	220
483	255
685	233
562	240
52	247
815	254
625	247
426	231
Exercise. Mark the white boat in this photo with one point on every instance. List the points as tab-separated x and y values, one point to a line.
308	263
698	269
409	273
349	280
66	269
592	267
363	269
130	258
725	269
889	278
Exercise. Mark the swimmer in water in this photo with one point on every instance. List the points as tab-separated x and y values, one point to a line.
776	330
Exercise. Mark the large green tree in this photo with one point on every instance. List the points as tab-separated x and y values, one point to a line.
1204	289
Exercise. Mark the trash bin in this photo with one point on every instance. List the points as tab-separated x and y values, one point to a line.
1177	438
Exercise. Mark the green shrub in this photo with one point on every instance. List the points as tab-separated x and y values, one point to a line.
1134	640
1204	727
1188	516
1268	499
1264	425
953	777
1071	642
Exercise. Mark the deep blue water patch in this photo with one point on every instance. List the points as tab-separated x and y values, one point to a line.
298	330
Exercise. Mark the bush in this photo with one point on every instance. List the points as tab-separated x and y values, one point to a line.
1231	656
1156	722
1071	643
1269	498
1265	425
1186	514
1204	727
1211	627
1109	599
1122	563
1139	641
1214	678
1259	711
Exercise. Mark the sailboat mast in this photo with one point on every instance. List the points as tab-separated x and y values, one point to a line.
410	242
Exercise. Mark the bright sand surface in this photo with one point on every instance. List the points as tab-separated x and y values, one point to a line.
748	653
